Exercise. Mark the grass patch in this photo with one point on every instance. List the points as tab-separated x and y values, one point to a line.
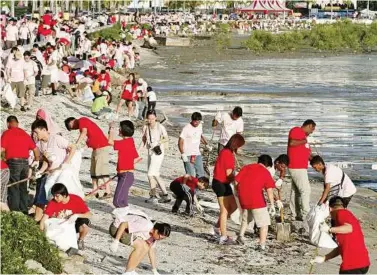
21	240
341	36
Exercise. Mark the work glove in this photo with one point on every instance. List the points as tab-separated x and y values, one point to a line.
35	163
184	158
38	175
279	183
155	272
208	147
323	227
318	260
279	204
73	218
272	210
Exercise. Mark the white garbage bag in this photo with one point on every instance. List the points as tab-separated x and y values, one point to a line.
87	94
62	233
9	95
315	217
236	217
68	176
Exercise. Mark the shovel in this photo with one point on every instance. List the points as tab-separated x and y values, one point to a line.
283	229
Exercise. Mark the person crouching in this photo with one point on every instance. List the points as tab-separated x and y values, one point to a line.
184	188
71	207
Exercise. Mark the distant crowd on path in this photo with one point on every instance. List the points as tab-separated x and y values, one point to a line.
55	165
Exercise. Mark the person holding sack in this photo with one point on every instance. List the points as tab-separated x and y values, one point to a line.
154	134
337	183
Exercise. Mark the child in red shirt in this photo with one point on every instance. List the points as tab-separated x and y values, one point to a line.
127	158
184	189
70	207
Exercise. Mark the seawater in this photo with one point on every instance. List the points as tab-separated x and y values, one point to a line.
339	93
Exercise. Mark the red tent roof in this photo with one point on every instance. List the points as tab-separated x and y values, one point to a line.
266	6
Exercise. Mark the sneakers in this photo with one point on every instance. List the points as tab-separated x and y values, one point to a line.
165	199
152	199
114	246
240	240
80	244
261	247
72	251
226	241
23	109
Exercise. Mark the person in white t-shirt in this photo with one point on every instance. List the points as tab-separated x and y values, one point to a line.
31	71
16	75
11	34
152	98
24	33
231	123
188	144
33	28
337	183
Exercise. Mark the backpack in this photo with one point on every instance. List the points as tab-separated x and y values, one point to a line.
39	65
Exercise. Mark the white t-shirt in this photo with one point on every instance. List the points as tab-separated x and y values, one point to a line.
55	149
24	32
11	33
151	96
16	69
333	176
229	127
191	136
31	69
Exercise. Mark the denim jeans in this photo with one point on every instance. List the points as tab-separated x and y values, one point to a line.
18	194
195	169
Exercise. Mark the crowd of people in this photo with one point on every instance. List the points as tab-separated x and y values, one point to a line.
55	162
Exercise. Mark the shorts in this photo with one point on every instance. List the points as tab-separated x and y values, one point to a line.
46	80
30	89
81	221
99	166
222	189
5	174
362	270
19	87
125	239
259	215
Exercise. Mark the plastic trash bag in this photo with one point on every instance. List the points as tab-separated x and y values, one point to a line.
9	95
61	233
87	94
315	217
68	176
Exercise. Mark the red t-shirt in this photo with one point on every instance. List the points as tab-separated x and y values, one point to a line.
126	153
352	246
96	138
17	143
3	165
252	180
193	183
75	205
298	155
111	63
47	19
224	161
104	81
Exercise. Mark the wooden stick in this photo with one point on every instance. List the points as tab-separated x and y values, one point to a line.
312	264
100	186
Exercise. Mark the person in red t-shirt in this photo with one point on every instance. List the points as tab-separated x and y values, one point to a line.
129	92
223	175
70	207
184	189
96	139
299	154
251	181
4	189
16	144
104	80
350	238
127	158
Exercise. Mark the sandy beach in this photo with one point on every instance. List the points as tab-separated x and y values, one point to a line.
191	247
